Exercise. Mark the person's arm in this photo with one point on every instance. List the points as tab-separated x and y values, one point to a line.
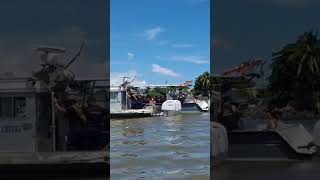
60	108
78	109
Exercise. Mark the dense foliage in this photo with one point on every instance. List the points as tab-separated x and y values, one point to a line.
295	72
157	92
202	84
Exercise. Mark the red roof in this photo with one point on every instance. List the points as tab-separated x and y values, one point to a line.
243	69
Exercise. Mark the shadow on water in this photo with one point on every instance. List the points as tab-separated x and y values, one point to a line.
174	147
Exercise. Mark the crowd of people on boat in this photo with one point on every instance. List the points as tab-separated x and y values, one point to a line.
87	123
138	101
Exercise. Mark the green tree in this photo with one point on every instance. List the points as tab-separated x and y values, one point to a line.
202	84
157	92
295	70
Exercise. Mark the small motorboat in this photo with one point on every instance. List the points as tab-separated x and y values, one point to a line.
194	106
147	111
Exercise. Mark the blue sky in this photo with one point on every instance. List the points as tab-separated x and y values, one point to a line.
256	28
159	40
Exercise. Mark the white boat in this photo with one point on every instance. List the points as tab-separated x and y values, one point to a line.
147	111
33	136
194	106
119	107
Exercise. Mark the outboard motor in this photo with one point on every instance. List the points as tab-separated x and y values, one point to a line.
171	107
219	143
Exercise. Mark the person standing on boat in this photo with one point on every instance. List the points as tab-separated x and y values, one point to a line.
152	102
274	114
129	100
177	94
72	110
162	99
98	129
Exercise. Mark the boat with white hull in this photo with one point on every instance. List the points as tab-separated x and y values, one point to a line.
133	113
119	106
194	106
34	138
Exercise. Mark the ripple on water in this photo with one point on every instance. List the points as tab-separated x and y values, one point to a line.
161	148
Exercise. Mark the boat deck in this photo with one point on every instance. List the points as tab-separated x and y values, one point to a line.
54	164
54	157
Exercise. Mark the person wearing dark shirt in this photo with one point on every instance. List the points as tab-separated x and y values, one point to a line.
72	110
98	127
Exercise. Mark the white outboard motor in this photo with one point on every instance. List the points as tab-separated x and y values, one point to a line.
171	107
219	143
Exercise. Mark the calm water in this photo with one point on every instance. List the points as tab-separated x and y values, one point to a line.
154	148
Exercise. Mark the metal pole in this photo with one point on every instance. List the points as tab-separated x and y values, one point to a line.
53	122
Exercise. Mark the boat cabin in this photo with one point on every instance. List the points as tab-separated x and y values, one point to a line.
118	99
26	117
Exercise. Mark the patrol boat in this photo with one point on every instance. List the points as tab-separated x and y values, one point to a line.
119	106
32	142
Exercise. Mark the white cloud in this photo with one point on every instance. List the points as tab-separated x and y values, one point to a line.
191	59
131	56
182	45
152	33
116	78
164	71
